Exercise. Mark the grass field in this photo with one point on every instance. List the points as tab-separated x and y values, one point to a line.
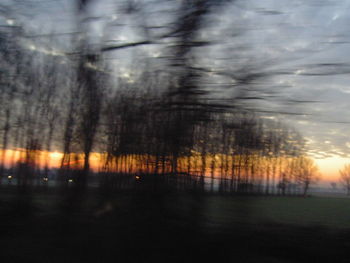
331	212
168	227
310	211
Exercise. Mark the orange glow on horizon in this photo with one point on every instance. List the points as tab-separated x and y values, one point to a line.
328	167
44	158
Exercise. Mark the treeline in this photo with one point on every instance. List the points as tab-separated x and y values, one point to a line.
148	124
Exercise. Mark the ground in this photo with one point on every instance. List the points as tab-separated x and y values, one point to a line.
56	226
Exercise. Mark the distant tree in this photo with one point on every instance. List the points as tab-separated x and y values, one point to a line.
345	177
334	185
305	173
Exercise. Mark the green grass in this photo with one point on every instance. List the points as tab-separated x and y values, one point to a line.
311	211
218	211
39	227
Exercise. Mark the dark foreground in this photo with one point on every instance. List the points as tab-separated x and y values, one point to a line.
63	226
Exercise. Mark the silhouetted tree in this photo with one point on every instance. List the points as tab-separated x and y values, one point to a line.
345	178
305	172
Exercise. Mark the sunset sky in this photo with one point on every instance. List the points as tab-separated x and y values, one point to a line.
307	42
329	167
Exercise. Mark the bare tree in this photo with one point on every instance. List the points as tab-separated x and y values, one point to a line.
345	177
305	173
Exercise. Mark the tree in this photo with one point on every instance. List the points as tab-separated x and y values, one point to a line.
345	177
305	173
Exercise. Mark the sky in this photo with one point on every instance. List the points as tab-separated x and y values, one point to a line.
304	44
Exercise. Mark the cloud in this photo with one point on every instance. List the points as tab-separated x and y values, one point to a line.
294	37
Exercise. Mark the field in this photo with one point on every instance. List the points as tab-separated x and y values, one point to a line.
330	212
139	227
